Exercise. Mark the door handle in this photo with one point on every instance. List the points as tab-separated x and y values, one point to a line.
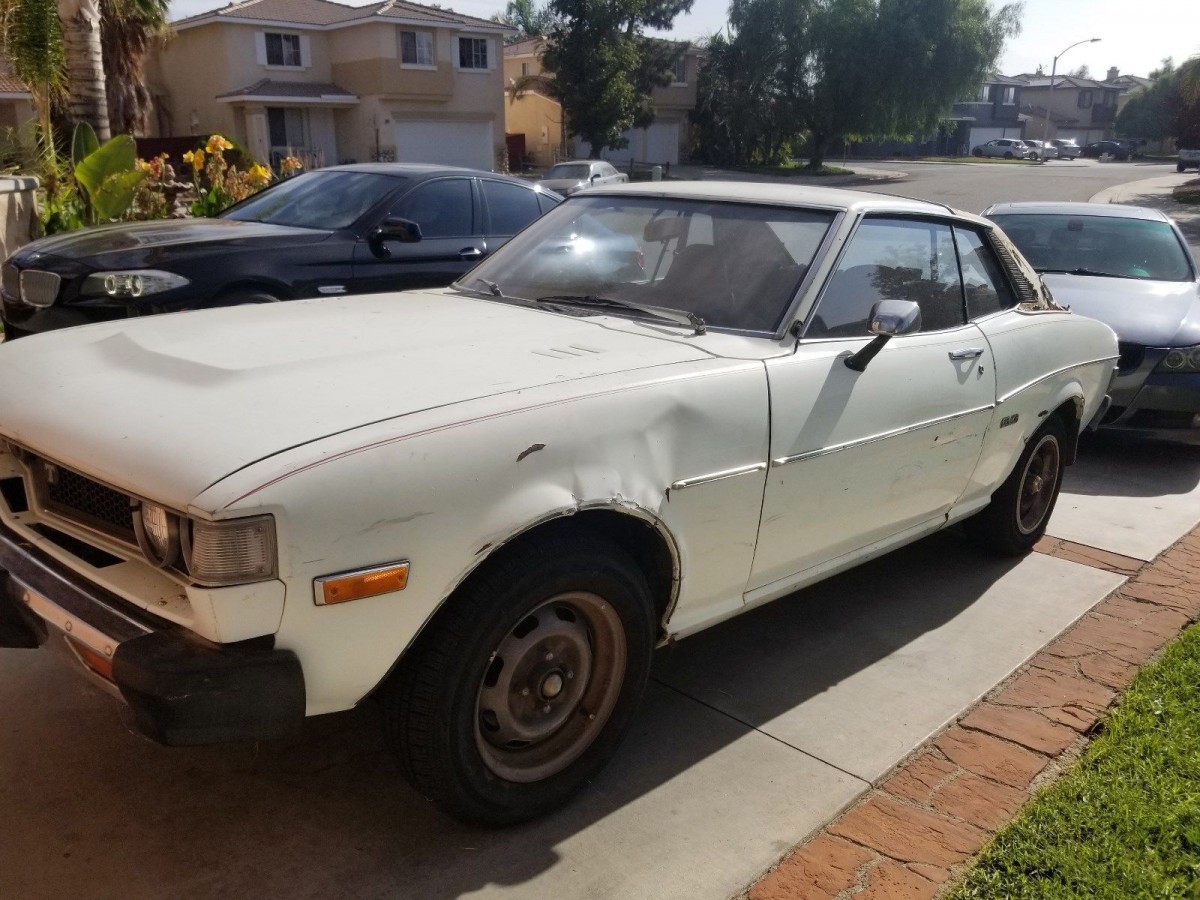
967	353
473	253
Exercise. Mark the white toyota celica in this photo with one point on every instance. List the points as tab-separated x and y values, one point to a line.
657	407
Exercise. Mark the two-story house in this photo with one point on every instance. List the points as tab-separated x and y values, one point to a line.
994	112
1070	107
16	102
539	117
335	83
1129	85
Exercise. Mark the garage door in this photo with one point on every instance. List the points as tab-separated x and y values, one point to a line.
449	143
983	135
662	143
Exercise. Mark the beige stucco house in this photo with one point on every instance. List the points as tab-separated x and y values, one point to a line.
540	119
16	103
335	83
1069	108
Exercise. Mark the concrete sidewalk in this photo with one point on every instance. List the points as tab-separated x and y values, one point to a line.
1156	194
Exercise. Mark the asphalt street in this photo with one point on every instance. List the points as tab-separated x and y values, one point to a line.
754	733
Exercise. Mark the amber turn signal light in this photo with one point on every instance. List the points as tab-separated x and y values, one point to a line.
363	583
101	665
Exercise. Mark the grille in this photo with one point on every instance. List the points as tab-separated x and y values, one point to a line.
1131	356
10	277
83	500
39	288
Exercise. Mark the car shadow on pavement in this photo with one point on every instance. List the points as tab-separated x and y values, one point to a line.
1116	465
105	813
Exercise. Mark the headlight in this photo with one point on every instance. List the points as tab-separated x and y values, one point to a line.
157	533
234	551
133	283
1181	359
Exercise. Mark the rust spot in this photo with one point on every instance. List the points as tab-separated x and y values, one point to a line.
484	548
532	448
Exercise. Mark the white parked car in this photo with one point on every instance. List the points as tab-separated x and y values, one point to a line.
1040	150
1004	148
568	177
1067	148
655	408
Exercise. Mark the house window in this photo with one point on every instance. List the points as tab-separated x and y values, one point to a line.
679	75
288	130
526	69
472	53
985	91
283	49
1085	99
416	48
1010	95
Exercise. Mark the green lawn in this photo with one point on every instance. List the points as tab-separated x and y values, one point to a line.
796	170
1125	823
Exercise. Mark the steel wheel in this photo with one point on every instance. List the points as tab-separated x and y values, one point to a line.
550	687
1039	484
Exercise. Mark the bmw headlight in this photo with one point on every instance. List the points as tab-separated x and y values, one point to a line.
1181	360
133	283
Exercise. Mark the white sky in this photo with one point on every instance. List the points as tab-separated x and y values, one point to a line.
1135	34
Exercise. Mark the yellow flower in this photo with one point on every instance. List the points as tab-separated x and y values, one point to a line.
142	165
258	175
217	143
195	158
290	165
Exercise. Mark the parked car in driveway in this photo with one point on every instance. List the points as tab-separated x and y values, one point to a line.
341	230
1130	268
1042	150
1118	151
1004	148
568	177
484	506
1067	148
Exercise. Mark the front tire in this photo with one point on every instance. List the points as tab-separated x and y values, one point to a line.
520	689
1020	510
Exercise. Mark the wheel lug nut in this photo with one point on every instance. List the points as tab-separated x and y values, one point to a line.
570	674
549	656
546	708
524	692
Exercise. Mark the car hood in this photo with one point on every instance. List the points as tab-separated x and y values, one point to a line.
168	405
143	239
562	185
1152	313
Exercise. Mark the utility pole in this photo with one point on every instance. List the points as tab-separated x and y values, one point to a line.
1053	70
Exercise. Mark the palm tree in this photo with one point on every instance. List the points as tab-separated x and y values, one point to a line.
87	100
32	37
128	29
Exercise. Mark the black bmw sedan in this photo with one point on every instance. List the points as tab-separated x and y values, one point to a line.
341	230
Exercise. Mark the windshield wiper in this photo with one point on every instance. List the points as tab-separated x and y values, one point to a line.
1085	271
679	316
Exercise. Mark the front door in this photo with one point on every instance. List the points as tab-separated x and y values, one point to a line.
449	215
859	457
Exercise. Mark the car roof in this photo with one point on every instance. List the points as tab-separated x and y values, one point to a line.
419	171
577	162
775	194
1108	210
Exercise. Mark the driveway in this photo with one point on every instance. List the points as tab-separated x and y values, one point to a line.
753	734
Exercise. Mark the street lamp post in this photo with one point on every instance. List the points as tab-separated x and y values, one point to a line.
1053	71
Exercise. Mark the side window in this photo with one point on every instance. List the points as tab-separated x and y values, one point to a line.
546	202
892	259
442	209
984	284
510	206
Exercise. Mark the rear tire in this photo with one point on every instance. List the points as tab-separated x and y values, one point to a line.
1008	154
977	152
522	686
1020	510
1179	167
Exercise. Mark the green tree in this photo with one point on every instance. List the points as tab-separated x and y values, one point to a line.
1150	113
1081	72
87	99
32	36
604	66
1166	67
528	18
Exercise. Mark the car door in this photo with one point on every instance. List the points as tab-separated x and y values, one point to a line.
449	215
508	208
858	458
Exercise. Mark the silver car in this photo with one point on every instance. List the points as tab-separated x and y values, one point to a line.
1003	148
569	177
1067	148
1042	150
1131	268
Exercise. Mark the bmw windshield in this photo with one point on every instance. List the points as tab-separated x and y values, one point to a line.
321	199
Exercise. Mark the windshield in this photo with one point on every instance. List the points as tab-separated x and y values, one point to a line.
577	171
735	265
1099	245
318	199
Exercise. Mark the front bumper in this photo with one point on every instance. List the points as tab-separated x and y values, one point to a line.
182	689
1155	404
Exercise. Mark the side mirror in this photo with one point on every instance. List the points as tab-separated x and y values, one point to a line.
889	318
394	228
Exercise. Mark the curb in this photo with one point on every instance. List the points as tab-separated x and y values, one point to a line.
1119	192
913	833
